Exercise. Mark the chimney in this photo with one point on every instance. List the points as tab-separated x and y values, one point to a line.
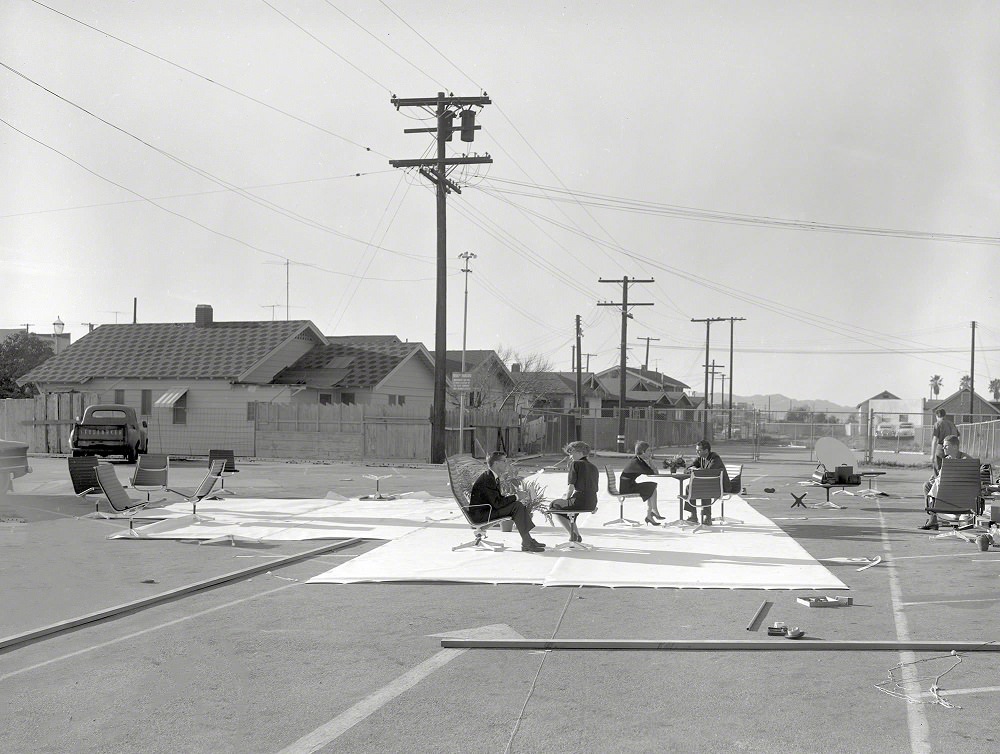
203	315
515	368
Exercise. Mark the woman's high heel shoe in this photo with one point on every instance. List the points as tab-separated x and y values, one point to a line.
652	521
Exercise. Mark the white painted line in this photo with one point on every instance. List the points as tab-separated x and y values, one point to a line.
131	636
947	555
916	718
343	722
951	602
959	692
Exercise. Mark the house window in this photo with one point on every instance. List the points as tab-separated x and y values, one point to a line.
119	396
397	400
180	410
904	417
251	411
146	402
347	398
967	419
325	399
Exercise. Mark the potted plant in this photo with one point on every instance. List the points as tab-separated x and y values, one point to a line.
529	492
677	462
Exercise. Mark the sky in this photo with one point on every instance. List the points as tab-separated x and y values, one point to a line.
827	171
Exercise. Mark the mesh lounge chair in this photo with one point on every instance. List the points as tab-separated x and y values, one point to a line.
704	489
613	491
958	499
121	503
230	467
461	488
83	473
204	489
151	474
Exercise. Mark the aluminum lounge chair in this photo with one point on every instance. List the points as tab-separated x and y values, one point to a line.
204	489
230	468
121	503
83	473
461	488
958	499
151	474
613	491
704	489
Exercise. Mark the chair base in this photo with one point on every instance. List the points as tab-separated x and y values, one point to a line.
957	534
680	522
829	504
480	543
377	497
572	546
623	523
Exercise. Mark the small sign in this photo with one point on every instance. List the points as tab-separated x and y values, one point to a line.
461	382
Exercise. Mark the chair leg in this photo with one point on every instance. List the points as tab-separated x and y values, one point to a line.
480	543
621	520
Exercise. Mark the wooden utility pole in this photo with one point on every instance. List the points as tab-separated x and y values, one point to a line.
708	337
588	355
436	171
624	304
972	371
645	363
729	426
579	380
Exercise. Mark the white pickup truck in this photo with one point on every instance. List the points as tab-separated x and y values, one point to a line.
108	430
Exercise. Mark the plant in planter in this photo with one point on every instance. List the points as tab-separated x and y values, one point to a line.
677	462
529	492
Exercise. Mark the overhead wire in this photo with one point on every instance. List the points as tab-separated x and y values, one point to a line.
191	220
211	80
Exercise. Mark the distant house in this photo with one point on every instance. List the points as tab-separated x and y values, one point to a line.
364	369
864	406
957	406
492	382
557	390
643	387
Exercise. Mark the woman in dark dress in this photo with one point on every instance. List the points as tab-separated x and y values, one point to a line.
581	492
641	464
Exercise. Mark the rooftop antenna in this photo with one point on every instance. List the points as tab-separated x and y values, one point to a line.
272	307
112	311
287	264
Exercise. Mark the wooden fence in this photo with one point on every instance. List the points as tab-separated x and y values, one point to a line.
43	422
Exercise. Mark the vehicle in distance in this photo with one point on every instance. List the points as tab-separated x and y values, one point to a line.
885	430
108	430
906	430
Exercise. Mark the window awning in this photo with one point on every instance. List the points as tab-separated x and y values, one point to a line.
170	397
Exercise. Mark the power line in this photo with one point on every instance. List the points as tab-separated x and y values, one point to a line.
211	81
716	216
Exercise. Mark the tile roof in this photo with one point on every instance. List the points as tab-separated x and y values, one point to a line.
364	360
183	350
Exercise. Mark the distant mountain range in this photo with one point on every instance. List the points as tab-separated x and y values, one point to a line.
779	402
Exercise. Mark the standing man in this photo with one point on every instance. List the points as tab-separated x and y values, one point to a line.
487	502
707	459
943	427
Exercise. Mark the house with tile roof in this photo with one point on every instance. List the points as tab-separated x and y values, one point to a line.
643	387
556	390
201	384
492	382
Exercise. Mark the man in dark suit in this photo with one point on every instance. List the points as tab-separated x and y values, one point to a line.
486	492
707	459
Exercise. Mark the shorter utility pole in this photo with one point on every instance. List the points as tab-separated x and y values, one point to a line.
588	355
708	336
645	363
972	371
579	380
729	430
624	348
465	256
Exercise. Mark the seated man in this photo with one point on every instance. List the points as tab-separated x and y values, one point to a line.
951	450
707	459
486	490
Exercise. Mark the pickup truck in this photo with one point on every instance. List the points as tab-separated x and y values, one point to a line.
109	429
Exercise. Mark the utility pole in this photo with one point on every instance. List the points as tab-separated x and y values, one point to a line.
621	368
729	428
708	336
713	371
579	379
588	355
645	364
722	392
436	171
465	256
972	370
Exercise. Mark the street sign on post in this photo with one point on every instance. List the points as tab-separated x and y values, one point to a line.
461	382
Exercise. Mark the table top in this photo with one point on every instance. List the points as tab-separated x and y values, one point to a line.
872	473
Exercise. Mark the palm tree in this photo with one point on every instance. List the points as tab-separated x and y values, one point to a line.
936	383
995	389
965	383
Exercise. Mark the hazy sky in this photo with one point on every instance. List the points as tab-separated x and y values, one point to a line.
182	162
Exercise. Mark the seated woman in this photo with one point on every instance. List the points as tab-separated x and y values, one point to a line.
581	493
641	464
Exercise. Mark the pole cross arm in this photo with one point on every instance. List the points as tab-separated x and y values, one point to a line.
429	163
428	101
431	176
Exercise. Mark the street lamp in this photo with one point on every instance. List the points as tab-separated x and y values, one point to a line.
465	256
57	327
